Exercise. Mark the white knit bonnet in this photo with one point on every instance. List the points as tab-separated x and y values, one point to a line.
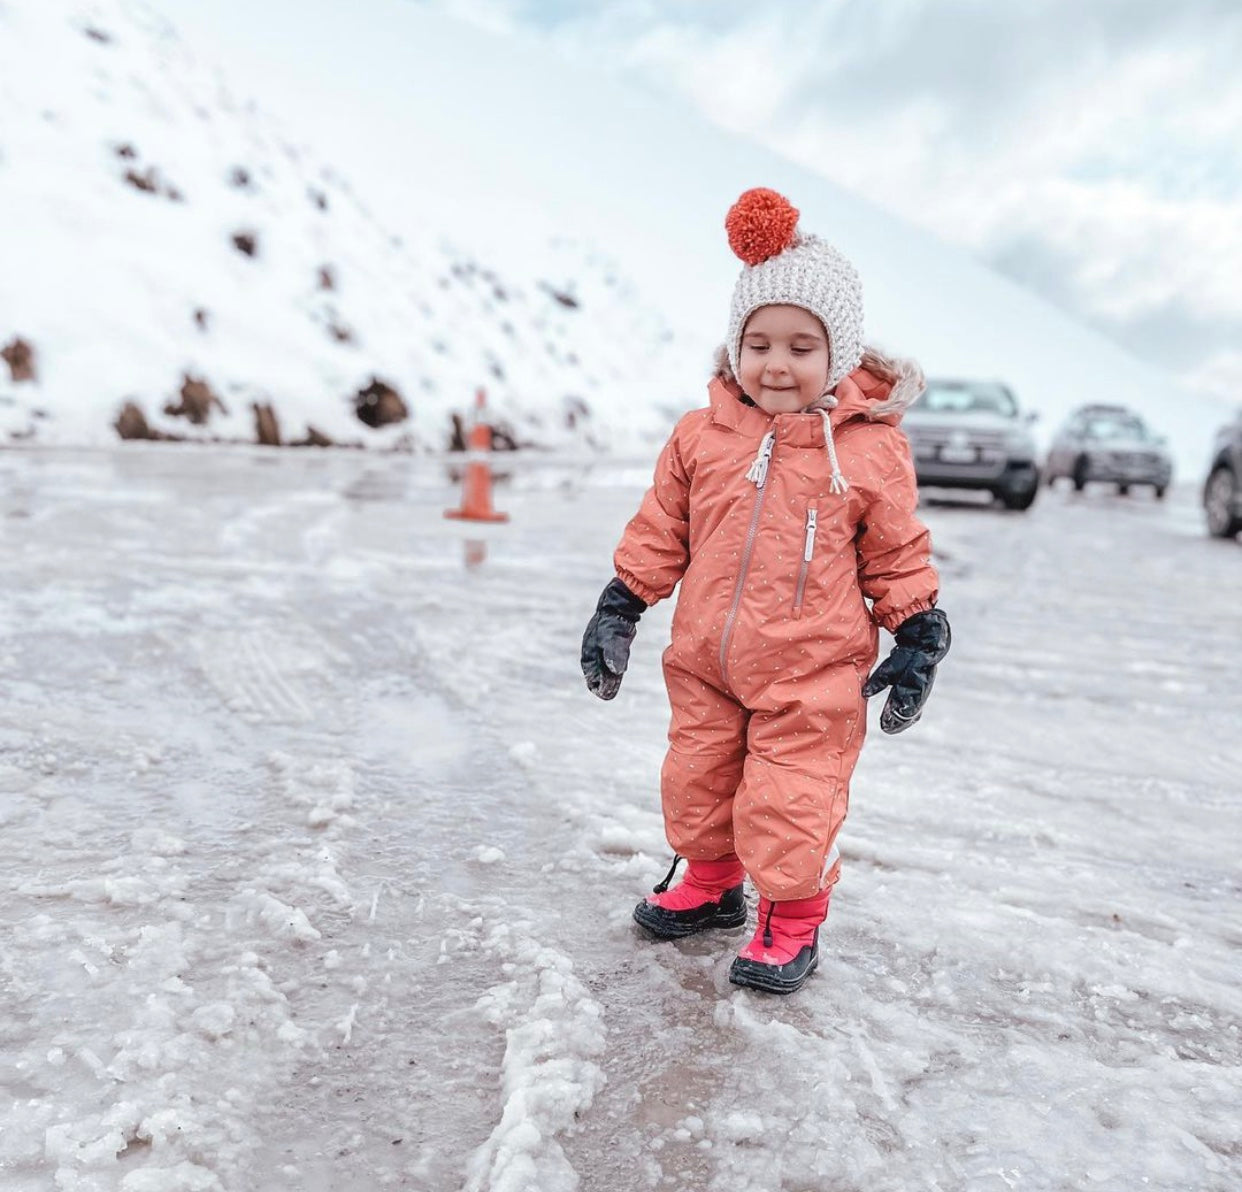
782	266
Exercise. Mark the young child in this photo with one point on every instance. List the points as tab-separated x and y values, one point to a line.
786	510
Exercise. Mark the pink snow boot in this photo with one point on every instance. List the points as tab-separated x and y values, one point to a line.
710	895
785	948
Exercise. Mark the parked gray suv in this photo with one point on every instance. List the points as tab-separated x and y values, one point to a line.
1110	443
971	434
1222	491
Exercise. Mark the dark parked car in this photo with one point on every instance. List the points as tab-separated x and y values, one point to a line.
971	434
1110	443
1222	491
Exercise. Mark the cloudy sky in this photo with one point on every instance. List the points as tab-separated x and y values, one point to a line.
1089	149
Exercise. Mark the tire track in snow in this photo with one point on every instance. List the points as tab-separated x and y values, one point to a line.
250	671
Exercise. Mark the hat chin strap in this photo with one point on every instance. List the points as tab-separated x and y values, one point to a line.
837	482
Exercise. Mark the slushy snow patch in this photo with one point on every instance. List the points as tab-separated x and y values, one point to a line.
524	753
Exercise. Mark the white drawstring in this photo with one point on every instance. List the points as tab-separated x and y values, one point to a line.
758	474
837	483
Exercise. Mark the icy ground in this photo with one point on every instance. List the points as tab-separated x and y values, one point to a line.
319	858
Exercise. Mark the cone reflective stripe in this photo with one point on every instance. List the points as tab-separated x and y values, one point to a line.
476	496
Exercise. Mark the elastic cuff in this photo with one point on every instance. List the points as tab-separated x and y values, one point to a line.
893	621
647	595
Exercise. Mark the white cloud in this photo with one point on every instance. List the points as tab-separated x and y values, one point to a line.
1220	374
493	16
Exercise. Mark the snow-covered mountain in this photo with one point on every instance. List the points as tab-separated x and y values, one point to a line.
162	232
412	127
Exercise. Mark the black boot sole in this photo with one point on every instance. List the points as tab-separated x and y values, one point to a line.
775	978
730	911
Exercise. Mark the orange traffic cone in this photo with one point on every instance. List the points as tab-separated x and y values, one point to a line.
476	496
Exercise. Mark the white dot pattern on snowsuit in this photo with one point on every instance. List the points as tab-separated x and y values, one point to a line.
756	767
815	276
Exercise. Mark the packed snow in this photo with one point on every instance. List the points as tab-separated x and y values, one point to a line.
321	858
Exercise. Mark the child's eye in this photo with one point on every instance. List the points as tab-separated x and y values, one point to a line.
801	351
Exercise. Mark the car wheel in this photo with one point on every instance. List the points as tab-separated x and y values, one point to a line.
1123	490
1079	476
1019	500
1160	491
1219	496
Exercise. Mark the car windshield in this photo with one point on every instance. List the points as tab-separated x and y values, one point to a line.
1114	427
947	397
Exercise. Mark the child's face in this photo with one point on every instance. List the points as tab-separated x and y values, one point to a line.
784	359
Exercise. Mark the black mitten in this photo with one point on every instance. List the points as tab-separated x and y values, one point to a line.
922	641
606	642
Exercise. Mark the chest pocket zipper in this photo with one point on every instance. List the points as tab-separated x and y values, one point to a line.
808	551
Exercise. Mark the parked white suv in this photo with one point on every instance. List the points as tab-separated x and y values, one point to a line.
971	434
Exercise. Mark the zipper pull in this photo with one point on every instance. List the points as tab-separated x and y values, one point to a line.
812	517
758	474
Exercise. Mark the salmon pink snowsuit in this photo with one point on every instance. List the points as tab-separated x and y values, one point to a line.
783	582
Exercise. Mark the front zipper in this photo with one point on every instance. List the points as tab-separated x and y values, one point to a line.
808	550
759	476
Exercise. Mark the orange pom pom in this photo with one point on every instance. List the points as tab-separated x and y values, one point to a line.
760	225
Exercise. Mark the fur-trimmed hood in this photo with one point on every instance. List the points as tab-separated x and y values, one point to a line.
889	383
